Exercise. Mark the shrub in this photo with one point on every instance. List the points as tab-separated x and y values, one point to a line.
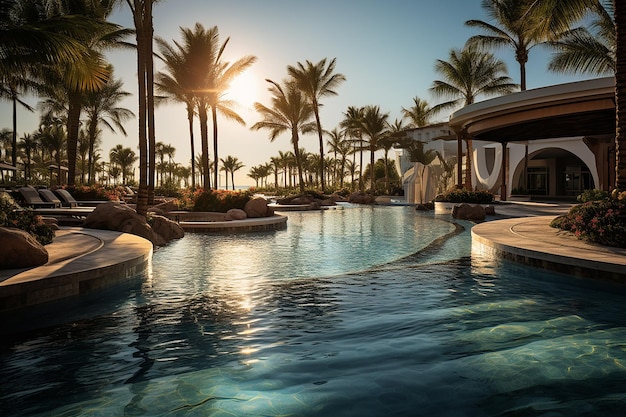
12	215
598	221
592	195
96	192
221	200
465	196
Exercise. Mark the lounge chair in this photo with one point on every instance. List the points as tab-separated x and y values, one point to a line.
67	200
31	198
50	197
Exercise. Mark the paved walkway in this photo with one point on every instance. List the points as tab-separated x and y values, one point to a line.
79	261
528	238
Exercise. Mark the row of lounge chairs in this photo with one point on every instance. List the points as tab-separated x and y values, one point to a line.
46	198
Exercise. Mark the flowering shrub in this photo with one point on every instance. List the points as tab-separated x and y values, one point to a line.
599	221
12	215
592	195
465	196
96	192
220	200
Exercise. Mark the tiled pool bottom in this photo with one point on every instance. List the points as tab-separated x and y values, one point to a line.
432	335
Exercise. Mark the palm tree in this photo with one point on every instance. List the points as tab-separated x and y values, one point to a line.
175	83
11	86
124	158
419	114
28	143
468	74
560	15
230	165
581	51
142	19
317	81
102	109
374	127
516	28
351	123
396	132
290	112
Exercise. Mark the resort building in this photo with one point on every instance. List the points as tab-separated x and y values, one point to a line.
545	143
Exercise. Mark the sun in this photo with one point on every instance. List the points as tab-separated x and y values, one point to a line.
244	89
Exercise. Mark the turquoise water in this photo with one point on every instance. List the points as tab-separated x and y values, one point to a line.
357	312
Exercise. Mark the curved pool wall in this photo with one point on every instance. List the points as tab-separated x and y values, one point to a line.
434	331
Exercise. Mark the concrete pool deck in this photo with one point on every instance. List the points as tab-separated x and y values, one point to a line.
81	259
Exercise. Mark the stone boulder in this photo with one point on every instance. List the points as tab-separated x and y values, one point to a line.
235	214
20	249
166	229
464	211
257	207
359	197
490	210
122	218
164	207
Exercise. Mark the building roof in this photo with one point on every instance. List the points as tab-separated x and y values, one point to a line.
584	108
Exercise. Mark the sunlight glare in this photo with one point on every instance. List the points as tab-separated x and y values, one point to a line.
244	89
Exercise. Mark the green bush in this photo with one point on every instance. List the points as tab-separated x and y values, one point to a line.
465	196
598	221
12	215
592	195
220	200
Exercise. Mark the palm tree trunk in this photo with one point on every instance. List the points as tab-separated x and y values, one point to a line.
216	159
193	158
372	180
150	102
321	139
620	96
296	152
73	122
204	135
232	179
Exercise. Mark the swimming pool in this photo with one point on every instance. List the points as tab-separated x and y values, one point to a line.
356	312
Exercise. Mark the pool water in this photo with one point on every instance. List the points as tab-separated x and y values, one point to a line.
351	312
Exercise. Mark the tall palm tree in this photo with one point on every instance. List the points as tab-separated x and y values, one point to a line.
144	27
28	143
559	17
230	165
396	133
175	83
587	50
289	112
351	123
11	87
374	127
93	71
419	114
124	158
468	74
102	110
317	81
336	138
516	28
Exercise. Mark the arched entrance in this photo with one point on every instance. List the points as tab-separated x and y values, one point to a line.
553	172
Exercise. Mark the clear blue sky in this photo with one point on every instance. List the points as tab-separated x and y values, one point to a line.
385	49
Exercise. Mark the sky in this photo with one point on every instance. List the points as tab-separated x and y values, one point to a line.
386	49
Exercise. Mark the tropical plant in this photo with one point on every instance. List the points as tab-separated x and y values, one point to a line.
102	110
419	114
12	215
144	28
289	112
468	74
317	81
465	196
175	84
351	123
587	50
124	158
515	27
229	166
374	128
221	200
